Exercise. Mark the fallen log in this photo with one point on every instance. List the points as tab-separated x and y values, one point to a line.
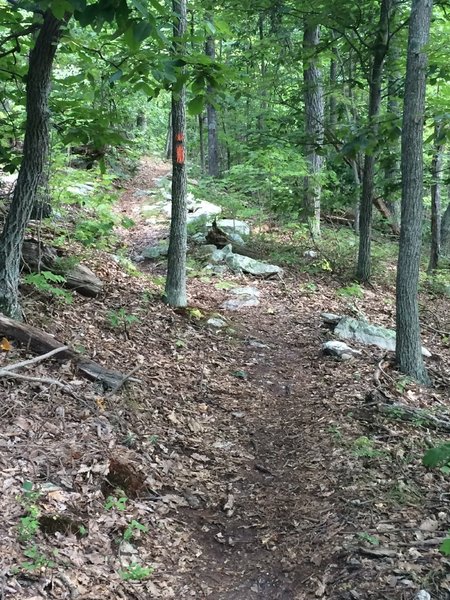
41	342
219	238
36	257
398	410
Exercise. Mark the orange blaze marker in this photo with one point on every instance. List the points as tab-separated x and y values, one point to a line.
179	149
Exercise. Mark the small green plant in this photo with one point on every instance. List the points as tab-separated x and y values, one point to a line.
225	285
402	383
136	572
29	524
120	319
43	282
371	539
351	291
38	560
363	447
439	456
132	529
116	503
308	288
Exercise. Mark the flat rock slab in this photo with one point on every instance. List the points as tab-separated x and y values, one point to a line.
153	252
239	264
365	333
244	297
234	226
340	350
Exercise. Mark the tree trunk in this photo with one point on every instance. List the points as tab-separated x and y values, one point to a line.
213	145
436	186
169	137
314	127
176	267
409	347
35	155
363	270
445	233
201	144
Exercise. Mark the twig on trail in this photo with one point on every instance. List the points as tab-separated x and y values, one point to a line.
48	380
32	361
125	378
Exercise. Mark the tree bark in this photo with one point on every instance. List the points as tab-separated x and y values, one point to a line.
314	127
363	270
35	155
175	291
213	144
409	347
201	144
445	233
436	186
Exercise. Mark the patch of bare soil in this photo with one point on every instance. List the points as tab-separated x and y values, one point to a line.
254	466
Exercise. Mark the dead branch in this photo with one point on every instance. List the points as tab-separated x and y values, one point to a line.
47	380
401	411
33	361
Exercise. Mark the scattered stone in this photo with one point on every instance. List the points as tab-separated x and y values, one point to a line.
202	209
234	226
239	263
215	269
340	350
331	318
143	193
422	595
310	254
365	333
153	252
256	344
216	323
81	189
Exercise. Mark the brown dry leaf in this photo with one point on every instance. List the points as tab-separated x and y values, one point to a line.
5	345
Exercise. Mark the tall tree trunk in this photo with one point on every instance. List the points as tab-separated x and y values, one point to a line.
169	137
213	144
409	352
363	269
35	155
201	143
436	186
391	172
445	232
314	126
175	291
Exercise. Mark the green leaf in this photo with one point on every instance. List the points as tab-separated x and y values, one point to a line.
436	457
196	105
140	7
445	547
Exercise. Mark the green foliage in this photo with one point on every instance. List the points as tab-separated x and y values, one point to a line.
438	456
120	319
136	572
364	447
351	291
119	504
132	529
371	539
29	524
43	282
38	560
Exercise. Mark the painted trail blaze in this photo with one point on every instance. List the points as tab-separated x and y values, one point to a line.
179	148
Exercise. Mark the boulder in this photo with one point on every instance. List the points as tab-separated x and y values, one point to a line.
219	256
244	297
239	263
234	226
216	323
207	251
236	238
365	333
340	350
198	238
202	209
81	189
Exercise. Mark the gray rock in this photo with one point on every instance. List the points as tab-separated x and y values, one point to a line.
238	264
365	333
422	595
246	291
236	238
216	323
340	350
198	238
215	269
310	254
234	226
331	318
202	209
238	303
219	256
153	252
207	251
81	189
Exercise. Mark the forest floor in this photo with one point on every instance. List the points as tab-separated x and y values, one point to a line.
244	465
